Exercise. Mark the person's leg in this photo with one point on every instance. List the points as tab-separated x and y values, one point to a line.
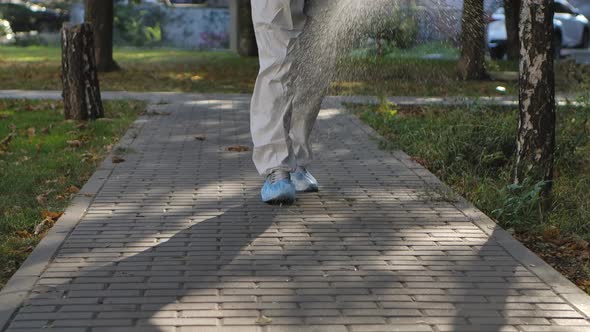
314	67
278	25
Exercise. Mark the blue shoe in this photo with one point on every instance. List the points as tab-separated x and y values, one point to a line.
278	188
304	181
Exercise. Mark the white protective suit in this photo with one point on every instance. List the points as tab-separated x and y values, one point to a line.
290	85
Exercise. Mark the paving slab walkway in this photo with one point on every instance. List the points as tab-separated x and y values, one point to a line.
175	239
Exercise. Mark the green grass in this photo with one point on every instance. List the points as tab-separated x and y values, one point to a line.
40	171
399	73
472	150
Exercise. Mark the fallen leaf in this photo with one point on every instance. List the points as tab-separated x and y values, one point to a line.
41	199
43	225
50	214
25	250
73	189
74	143
263	320
117	160
82	126
23	234
46	130
31	132
238	148
109	148
552	234
200	137
6	141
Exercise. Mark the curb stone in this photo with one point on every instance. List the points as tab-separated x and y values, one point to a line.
22	282
558	283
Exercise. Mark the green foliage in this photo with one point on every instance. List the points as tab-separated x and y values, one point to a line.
522	205
472	149
398	30
137	25
39	168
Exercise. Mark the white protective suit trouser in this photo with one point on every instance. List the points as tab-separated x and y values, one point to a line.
289	90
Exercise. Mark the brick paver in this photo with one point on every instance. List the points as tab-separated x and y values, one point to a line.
177	240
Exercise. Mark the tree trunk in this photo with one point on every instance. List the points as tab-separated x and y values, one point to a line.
246	37
511	13
100	14
471	65
536	127
81	91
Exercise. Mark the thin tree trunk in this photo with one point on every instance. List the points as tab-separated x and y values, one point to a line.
511	14
471	65
536	127
246	36
81	90
100	13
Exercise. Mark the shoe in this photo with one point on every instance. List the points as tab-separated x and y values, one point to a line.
304	181
278	188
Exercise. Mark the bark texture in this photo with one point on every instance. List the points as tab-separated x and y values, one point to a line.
512	14
81	91
246	36
536	127
100	14
472	62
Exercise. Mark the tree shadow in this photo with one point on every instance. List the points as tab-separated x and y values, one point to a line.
368	250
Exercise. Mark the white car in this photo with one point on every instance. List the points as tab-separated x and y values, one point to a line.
572	30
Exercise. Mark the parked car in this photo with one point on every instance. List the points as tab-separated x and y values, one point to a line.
24	17
571	30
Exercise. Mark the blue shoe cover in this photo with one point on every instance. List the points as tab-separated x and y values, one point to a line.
304	181
280	192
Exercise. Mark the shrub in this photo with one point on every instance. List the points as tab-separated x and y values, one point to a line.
137	25
400	29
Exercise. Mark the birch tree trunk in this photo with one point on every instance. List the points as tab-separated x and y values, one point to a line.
471	65
536	126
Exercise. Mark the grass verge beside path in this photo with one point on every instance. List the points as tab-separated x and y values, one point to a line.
472	148
44	160
402	73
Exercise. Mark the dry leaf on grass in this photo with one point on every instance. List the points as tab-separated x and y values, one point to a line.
24	234
41	199
238	148
44	225
74	143
6	141
51	214
117	160
73	190
31	132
